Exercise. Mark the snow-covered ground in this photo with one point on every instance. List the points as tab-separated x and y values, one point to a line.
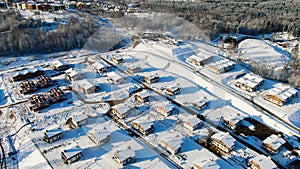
153	58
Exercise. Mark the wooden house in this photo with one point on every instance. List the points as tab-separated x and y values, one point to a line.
273	143
71	153
191	123
250	82
133	69
281	94
143	96
73	75
78	121
223	142
221	66
205	162
172	89
116	78
199	60
123	157
151	78
99	137
262	162
171	144
60	65
201	104
86	86
100	67
117	59
52	135
143	127
120	110
164	108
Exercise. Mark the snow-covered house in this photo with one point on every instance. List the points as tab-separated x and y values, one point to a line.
250	82
224	142
200	104
262	162
205	162
202	135
71	153
273	143
199	60
281	94
171	143
26	74
99	137
164	108
231	119
172	89
78	121
100	67
60	65
117	59
133	69
151	78
72	74
51	135
191	122
143	127
221	66
143	96
116	78
124	157
86	86
120	110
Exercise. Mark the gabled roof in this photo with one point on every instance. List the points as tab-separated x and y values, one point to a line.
225	138
172	141
122	108
205	162
283	91
80	117
100	134
274	141
264	162
115	76
53	132
145	125
125	154
144	94
166	106
193	120
72	150
85	84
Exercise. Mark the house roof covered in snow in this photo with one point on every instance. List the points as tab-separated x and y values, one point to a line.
206	162
80	117
166	106
125	154
100	134
172	141
264	162
274	141
71	150
144	94
115	76
53	131
85	84
122	108
193	120
59	63
251	80
284	92
225	138
145	125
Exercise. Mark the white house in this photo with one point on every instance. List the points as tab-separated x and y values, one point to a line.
72	74
60	65
100	67
86	86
